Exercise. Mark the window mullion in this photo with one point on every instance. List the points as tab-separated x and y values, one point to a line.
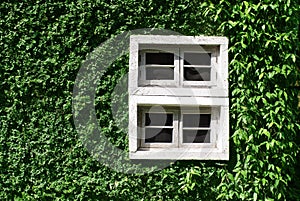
214	124
180	73
175	128
214	65
142	66
177	61
180	126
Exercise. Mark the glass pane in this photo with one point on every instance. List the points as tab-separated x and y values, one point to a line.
158	135
160	58
196	120
159	73
196	74
197	58
196	136
158	119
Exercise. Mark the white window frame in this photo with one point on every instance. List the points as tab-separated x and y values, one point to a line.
181	95
213	111
143	66
213	74
177	135
142	128
178	51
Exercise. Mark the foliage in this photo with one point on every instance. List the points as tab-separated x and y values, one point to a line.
42	46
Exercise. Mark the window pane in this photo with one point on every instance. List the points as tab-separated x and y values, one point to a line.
159	73
160	58
158	135
158	119
196	74
196	120
196	136
197	59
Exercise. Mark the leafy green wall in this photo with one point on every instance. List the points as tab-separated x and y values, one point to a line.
42	47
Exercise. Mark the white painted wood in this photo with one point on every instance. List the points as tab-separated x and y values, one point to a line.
180	154
133	66
142	67
186	91
183	95
213	128
224	129
175	129
178	40
219	72
133	126
199	49
223	66
179	101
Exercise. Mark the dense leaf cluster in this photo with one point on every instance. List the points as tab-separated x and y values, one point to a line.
43	44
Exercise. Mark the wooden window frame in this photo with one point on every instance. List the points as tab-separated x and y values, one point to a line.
214	112
180	94
142	127
213	50
178	66
142	67
178	126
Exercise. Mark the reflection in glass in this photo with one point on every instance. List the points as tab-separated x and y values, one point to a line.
158	119
196	120
159	73
197	58
196	74
160	58
158	135
196	136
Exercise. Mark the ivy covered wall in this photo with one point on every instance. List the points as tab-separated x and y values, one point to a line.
43	44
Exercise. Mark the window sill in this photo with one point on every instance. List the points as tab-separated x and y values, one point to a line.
180	154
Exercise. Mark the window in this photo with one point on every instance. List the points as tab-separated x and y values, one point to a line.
158	66
158	126
198	65
177	127
178	98
196	126
177	65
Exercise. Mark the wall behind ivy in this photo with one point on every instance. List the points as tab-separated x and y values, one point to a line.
42	46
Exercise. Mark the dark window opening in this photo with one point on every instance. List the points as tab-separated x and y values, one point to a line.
158	135
196	120
159	73
196	74
158	119
160	58
196	136
197	59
